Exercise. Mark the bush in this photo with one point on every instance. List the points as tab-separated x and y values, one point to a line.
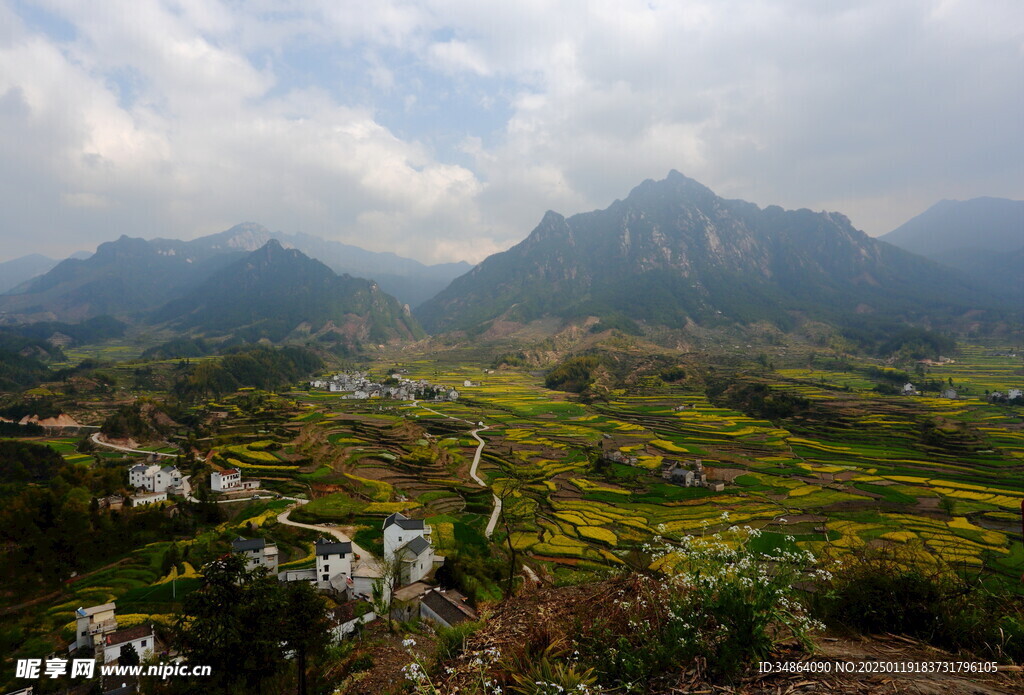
452	640
716	601
883	590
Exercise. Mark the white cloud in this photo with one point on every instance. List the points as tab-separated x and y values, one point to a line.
183	117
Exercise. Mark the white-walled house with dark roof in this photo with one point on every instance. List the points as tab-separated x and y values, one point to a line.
399	530
333	565
256	553
408	540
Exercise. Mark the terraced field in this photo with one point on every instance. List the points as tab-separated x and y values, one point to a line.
941	478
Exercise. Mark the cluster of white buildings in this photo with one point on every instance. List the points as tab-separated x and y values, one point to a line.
690	475
1010	395
344	572
996	396
153	483
359	386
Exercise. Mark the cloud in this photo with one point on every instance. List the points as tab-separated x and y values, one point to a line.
444	130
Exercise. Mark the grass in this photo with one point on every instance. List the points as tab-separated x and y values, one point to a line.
336	507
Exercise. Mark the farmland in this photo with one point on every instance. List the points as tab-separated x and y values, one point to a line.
580	478
937	477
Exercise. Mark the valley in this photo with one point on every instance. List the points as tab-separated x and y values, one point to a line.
581	480
744	431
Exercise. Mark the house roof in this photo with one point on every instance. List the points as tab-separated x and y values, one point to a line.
326	547
128	635
417	546
451	610
229	471
139	467
93	610
404	522
241	545
413	591
170	469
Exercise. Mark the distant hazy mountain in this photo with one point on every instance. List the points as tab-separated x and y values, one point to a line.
674	252
130	276
18	270
275	292
982	237
123	277
410	281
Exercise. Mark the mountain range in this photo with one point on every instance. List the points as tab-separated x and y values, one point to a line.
673	253
131	276
982	237
277	293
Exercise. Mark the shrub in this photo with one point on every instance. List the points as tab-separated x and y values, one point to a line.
716	601
885	590
452	640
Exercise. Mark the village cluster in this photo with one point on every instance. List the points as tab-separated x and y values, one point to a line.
359	386
685	474
346	576
994	397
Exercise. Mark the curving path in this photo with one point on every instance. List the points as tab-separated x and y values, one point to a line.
365	557
493	521
95	438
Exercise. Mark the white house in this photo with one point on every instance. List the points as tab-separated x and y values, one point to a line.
399	530
256	552
417	559
230	480
148	498
408	540
909	389
333	564
92	623
156	478
1013	393
222	480
141	637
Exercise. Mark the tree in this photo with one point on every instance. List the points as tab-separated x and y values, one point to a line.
171	559
246	624
232	624
385	587
515	510
129	656
304	628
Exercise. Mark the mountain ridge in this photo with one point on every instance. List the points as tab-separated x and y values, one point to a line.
130	275
276	293
673	252
981	237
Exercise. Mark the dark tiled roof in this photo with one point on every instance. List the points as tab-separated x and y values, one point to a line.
417	545
325	547
242	545
404	522
129	634
450	611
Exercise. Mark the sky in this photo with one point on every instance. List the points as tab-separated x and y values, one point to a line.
443	130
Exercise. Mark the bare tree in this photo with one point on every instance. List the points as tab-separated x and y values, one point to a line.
515	510
385	586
